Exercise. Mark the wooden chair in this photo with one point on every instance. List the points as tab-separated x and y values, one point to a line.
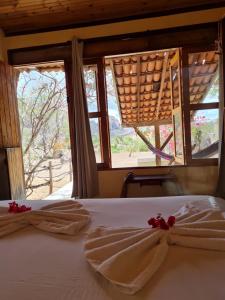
147	180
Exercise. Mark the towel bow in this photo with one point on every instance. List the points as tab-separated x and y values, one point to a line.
129	257
66	217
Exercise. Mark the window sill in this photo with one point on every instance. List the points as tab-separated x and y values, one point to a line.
193	163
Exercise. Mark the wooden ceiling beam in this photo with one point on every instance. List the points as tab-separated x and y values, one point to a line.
138	84
141	73
134	61
164	121
202	75
167	89
149	107
163	77
142	93
207	63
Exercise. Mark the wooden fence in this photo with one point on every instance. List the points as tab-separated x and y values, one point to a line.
51	178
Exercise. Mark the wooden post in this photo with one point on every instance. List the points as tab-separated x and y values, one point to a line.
166	141
70	169
157	144
50	178
156	151
11	169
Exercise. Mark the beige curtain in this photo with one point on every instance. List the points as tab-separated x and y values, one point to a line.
85	183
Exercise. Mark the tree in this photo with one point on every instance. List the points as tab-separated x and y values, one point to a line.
43	112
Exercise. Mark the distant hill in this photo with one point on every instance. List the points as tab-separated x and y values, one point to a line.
115	127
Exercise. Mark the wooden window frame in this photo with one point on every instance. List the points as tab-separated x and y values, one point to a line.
181	37
102	113
188	107
177	110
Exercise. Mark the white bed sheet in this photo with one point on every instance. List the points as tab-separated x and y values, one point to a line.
35	265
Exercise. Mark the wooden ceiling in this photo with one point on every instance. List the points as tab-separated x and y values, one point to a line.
25	16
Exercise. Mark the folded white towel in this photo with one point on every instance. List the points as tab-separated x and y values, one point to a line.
128	257
67	217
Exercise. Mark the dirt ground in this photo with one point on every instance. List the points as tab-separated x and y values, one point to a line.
124	159
58	172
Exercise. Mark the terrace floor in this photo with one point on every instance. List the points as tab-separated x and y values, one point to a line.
62	193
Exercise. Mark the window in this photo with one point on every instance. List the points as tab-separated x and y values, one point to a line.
203	105
155	108
90	78
139	107
44	124
127	148
95	93
204	133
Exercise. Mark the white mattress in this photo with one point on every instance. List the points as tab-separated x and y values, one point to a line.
36	265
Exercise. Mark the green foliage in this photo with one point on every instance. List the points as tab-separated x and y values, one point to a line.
204	134
127	144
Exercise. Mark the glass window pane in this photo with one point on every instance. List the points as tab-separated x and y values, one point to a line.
165	131
50	146
175	85
94	124
178	132
90	80
127	148
204	77
205	133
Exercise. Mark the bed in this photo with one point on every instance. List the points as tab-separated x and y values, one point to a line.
37	265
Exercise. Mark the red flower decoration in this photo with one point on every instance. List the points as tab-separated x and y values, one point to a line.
16	208
160	222
171	221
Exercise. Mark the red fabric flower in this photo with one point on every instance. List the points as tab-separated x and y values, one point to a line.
171	221
160	222
16	208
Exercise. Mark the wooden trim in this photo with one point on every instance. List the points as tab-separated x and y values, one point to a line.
204	162
201	48
186	105
201	35
69	88
101	167
34	55
179	109
197	163
96	114
102	114
201	106
187	36
104	120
